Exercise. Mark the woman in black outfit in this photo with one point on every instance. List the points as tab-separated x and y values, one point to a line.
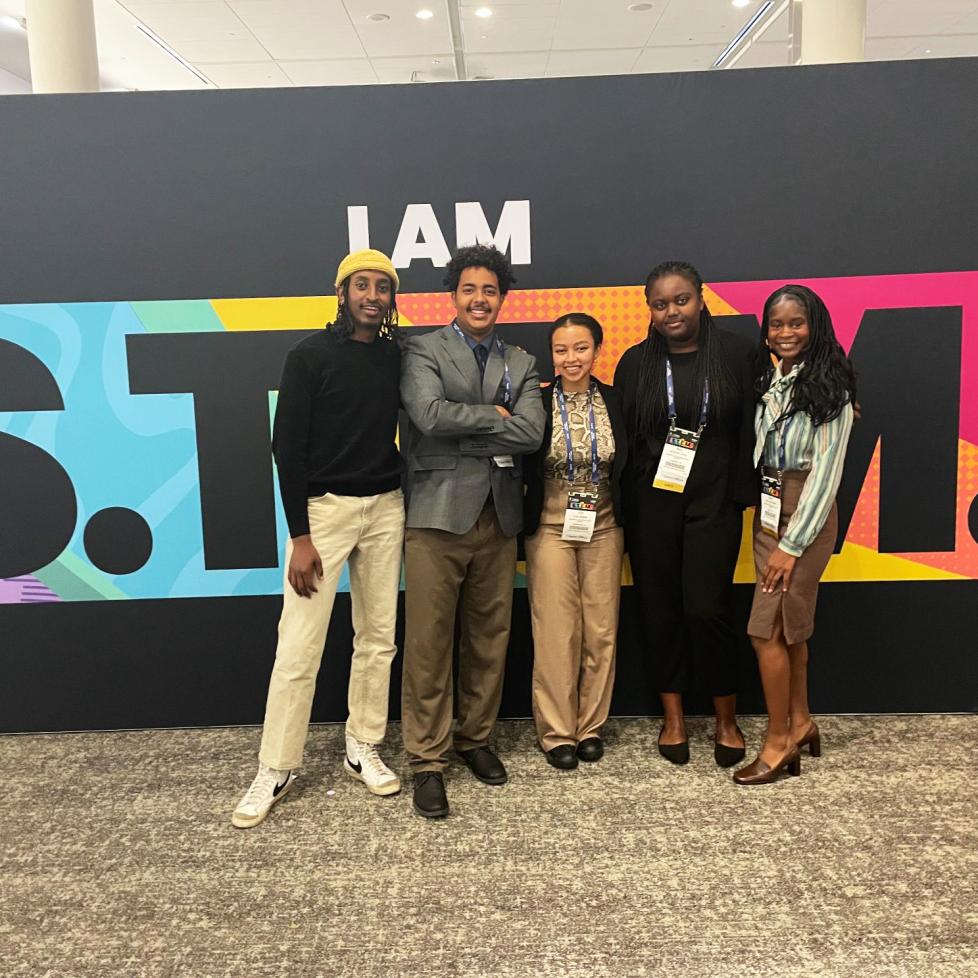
683	539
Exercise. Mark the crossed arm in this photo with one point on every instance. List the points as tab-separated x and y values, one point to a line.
482	430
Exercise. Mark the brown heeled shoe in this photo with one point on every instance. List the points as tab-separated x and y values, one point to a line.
758	772
812	740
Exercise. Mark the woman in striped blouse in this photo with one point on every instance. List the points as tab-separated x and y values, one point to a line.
802	431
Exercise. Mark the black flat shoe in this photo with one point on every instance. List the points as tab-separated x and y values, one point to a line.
563	756
430	799
591	749
674	753
728	756
484	764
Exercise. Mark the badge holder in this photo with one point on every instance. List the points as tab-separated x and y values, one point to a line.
679	451
772	483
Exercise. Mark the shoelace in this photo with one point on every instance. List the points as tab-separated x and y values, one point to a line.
370	757
263	785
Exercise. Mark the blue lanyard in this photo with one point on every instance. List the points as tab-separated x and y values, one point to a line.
671	393
501	350
568	442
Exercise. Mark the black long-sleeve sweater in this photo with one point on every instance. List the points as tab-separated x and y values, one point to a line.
336	422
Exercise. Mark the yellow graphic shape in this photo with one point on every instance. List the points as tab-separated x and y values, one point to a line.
858	563
302	312
855	563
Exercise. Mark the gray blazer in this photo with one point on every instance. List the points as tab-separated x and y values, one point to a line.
455	430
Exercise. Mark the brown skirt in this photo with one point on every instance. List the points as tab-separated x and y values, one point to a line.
796	608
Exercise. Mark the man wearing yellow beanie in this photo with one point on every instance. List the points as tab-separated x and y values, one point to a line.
339	473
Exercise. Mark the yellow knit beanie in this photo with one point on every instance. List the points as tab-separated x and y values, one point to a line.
368	260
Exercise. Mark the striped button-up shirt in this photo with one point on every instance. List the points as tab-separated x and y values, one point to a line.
819	450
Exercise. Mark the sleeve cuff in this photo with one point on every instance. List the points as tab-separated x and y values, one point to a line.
791	549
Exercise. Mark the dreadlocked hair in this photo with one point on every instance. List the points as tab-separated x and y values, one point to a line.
344	325
826	381
652	404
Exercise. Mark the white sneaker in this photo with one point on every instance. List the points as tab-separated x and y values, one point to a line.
268	787
363	763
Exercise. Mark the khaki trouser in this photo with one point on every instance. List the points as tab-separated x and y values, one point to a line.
574	591
443	570
367	532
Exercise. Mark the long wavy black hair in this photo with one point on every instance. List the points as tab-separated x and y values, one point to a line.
651	403
826	381
342	328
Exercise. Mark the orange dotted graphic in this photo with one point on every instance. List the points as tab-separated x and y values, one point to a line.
622	311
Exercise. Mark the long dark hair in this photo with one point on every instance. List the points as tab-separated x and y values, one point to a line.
826	381
344	324
651	403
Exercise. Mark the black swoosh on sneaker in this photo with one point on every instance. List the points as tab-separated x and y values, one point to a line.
358	767
281	787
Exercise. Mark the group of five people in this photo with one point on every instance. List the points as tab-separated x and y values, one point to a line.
698	425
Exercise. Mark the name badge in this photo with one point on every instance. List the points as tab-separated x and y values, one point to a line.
579	517
676	460
771	503
503	461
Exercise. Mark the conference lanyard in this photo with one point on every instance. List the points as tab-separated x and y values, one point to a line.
501	350
581	511
772	482
679	450
565	422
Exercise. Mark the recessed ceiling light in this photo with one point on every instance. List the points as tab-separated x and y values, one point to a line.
638	7
740	3
928	51
424	14
378	18
483	12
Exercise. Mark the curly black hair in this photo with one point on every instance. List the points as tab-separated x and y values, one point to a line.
344	325
826	381
480	256
651	407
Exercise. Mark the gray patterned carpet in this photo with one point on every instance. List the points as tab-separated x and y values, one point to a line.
118	861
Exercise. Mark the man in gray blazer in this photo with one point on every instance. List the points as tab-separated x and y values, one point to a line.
475	410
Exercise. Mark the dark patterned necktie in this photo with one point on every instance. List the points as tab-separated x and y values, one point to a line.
481	357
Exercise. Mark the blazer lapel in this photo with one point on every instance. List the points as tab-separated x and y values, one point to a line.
493	377
462	356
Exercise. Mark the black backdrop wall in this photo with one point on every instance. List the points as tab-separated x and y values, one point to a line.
775	174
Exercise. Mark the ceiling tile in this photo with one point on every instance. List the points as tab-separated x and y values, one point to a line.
403	35
513	29
586	25
524	65
401	70
690	57
701	22
233	49
349	71
188	20
570	63
298	29
261	74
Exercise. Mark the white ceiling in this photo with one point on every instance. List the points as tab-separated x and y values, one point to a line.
265	43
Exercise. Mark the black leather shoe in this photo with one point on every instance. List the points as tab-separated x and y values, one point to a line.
563	756
484	765
675	753
591	749
728	756
430	799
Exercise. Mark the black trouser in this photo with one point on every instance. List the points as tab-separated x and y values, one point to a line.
683	550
